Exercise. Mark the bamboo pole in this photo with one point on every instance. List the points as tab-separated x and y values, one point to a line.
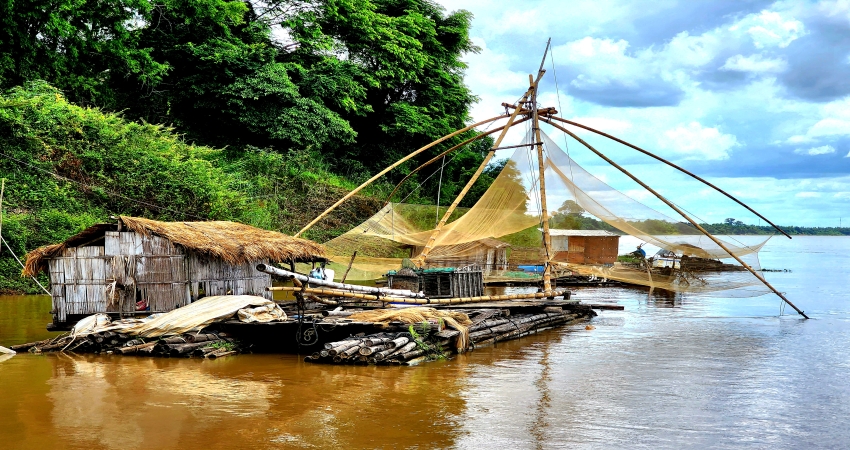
652	155
681	213
544	212
2	190
417	301
391	167
419	260
437	158
351	287
348	269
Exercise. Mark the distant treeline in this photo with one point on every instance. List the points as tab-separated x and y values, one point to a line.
724	228
570	216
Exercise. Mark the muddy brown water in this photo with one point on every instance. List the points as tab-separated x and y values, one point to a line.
670	371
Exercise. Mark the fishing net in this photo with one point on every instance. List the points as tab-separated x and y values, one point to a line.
501	233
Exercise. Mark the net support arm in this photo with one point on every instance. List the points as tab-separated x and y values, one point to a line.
671	164
419	260
680	212
391	167
437	158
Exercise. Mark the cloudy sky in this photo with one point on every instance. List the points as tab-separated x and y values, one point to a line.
754	95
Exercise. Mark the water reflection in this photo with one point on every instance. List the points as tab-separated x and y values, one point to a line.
668	372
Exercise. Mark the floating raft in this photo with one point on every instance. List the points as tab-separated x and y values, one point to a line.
209	345
488	324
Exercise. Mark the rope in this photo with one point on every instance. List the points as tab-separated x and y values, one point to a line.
90	186
22	265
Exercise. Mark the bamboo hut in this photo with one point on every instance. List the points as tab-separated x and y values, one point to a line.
143	266
487	253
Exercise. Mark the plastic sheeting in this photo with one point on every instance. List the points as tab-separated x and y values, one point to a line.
190	318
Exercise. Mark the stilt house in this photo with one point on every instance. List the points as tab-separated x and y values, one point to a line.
142	266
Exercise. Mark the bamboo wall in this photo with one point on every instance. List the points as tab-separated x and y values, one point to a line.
488	258
215	277
114	272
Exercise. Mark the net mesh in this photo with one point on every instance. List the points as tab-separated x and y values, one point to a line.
500	233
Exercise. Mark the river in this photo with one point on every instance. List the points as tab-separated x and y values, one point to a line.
668	372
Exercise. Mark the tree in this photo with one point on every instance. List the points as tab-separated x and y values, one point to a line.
76	45
570	207
406	56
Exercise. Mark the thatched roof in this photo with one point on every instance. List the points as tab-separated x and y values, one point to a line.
232	242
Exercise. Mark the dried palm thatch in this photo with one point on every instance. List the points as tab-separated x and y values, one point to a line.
232	242
457	320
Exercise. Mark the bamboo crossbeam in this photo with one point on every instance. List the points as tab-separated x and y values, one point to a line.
351	287
681	213
438	157
391	167
417	301
671	164
419	260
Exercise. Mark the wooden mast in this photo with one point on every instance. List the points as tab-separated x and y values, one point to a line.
682	213
544	212
393	166
531	92
419	260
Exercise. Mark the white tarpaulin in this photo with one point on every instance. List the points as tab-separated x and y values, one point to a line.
192	317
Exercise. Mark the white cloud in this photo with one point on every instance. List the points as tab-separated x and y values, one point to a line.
694	141
606	124
769	29
831	120
807	194
822	150
755	64
601	62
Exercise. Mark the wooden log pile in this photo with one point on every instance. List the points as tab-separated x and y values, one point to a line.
398	347
390	348
205	345
499	329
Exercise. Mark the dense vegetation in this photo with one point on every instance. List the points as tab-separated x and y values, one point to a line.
273	109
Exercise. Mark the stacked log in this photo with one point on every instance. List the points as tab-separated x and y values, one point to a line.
380	348
206	345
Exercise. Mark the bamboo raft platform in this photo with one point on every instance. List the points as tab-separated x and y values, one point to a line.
319	332
320	327
208	345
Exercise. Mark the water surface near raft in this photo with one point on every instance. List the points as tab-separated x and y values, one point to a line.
669	372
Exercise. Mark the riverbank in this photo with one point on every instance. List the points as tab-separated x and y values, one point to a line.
670	371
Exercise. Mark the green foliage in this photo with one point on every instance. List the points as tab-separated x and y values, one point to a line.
229	346
740	228
77	45
105	165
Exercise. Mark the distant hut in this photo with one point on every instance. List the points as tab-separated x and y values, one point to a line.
585	246
487	253
146	266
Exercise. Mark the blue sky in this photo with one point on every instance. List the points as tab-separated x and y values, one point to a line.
753	95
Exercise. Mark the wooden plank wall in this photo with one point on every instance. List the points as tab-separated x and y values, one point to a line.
215	277
590	250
